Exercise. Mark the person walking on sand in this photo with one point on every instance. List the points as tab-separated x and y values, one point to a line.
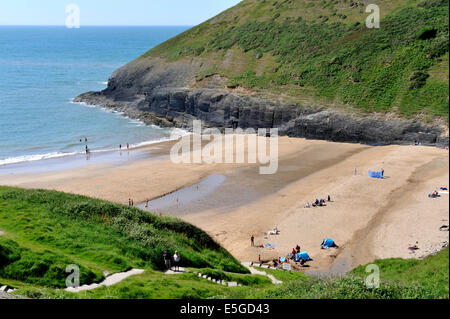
176	261
128	146
252	241
129	202
120	147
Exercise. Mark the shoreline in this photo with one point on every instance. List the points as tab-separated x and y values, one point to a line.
245	203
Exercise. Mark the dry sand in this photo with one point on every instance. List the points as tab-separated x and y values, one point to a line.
368	218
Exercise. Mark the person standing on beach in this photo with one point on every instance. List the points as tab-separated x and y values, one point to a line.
120	147
252	240
128	146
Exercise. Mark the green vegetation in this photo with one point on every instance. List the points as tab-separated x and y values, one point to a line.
44	231
430	273
324	51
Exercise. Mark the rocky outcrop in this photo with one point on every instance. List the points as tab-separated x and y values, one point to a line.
163	93
219	108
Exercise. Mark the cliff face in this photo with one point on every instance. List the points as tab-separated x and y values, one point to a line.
219	108
218	88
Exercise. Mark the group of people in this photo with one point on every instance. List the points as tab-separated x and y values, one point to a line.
170	260
128	147
130	202
435	194
85	145
297	256
318	203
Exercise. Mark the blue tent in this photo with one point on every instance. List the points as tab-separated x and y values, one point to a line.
304	256
373	174
328	243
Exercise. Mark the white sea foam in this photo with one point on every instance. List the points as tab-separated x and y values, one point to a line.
37	157
177	133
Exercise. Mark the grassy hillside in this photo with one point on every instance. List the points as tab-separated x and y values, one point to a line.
321	52
44	231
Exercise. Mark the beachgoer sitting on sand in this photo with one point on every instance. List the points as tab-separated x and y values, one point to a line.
434	194
274	231
297	249
307	205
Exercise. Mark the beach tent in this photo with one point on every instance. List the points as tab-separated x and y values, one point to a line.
304	256
328	243
374	174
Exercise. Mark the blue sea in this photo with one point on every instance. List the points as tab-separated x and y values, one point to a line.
43	68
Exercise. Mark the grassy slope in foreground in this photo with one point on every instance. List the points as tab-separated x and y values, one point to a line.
45	231
321	52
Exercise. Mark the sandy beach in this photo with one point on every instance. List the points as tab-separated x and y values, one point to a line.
368	218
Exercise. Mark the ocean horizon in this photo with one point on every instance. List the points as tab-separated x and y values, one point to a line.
45	67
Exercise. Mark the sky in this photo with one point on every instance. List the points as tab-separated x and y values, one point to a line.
112	12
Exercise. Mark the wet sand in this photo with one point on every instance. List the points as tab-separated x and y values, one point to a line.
368	218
